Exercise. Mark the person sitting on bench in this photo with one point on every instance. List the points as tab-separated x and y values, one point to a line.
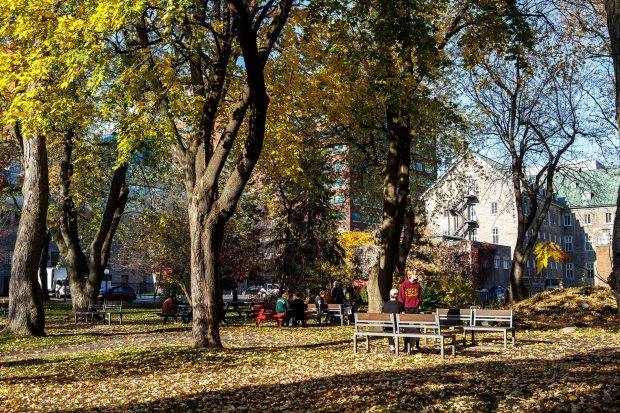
393	307
169	308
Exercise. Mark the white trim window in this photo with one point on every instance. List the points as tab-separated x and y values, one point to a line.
493	208
587	243
589	269
608	218
568	222
568	243
497	261
587	219
569	271
506	263
495	234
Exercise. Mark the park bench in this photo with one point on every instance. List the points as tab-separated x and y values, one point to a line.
488	321
183	311
426	326
105	309
265	315
239	307
337	311
373	325
454	317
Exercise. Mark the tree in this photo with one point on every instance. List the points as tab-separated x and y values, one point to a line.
531	106
612	7
398	52
194	79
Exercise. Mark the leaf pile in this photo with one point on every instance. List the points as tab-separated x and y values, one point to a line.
590	306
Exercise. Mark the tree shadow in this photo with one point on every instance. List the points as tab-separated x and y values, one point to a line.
487	386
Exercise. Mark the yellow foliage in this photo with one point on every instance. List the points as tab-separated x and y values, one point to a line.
549	250
352	239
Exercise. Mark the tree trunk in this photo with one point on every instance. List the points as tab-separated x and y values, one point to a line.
26	314
395	197
613	25
45	294
614	277
205	279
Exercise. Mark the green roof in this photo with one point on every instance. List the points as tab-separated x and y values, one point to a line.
601	184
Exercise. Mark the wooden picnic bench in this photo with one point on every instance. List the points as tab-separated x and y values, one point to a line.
373	325
105	309
488	321
337	311
269	315
239	307
426	326
401	326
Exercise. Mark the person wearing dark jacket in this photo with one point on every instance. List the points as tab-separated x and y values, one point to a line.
392	307
298	311
410	295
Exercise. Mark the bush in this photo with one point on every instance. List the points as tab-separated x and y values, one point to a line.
448	292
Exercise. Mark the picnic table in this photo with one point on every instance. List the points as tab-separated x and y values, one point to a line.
239	307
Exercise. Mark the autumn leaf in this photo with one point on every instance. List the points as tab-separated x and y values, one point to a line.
549	250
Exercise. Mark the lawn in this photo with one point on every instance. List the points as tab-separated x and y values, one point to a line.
146	366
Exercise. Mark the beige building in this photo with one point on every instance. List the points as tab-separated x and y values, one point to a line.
474	200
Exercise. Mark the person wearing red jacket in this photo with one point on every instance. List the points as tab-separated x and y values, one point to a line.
410	294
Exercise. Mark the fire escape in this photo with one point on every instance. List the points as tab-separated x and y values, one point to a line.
463	219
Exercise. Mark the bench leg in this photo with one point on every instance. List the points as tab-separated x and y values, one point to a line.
354	344
513	338
464	338
397	344
441	343
454	346
505	338
121	315
367	344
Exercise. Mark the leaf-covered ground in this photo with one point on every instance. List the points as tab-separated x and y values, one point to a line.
146	366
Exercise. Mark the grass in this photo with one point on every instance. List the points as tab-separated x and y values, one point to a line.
146	366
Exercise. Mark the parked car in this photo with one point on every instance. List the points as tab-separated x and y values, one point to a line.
251	291
118	293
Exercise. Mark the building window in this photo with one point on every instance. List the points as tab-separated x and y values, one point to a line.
569	271
493	208
568	243
588	242
506	263
587	195
589	269
495	233
474	235
339	183
446	212
587	219
608	218
497	259
606	238
567	220
9	257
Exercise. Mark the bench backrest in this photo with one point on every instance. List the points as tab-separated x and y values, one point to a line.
454	316
385	321
113	305
335	307
417	321
96	306
497	316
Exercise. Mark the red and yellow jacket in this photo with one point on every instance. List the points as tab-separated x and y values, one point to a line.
410	294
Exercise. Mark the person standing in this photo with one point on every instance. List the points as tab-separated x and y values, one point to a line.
392	307
410	295
337	293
